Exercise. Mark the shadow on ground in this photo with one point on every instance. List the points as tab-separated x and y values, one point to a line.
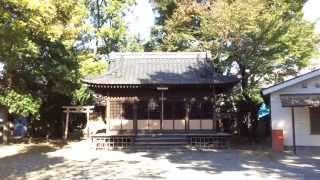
31	158
79	162
305	165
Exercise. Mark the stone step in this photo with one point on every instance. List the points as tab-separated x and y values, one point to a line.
160	142
159	147
160	135
161	139
152	140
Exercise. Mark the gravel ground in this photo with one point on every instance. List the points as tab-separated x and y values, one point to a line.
78	161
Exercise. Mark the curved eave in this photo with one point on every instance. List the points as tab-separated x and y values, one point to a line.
115	86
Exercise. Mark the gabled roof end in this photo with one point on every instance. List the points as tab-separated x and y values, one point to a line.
291	82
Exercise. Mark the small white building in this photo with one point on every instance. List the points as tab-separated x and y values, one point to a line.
295	109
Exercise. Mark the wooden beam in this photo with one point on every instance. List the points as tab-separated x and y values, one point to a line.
81	107
77	111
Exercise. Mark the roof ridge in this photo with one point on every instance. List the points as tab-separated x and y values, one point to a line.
160	52
160	55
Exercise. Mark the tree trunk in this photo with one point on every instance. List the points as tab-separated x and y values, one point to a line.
252	107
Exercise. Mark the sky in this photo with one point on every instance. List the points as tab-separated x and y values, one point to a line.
141	18
312	12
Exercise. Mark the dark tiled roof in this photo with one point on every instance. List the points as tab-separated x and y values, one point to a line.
160	68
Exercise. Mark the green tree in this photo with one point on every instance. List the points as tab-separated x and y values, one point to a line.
90	65
41	69
133	44
109	26
266	40
106	31
163	9
254	37
183	28
261	41
21	104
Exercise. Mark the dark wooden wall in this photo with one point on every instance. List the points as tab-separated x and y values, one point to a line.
151	91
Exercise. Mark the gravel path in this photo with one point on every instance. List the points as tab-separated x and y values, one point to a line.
78	161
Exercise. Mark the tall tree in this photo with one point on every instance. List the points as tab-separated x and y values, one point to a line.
252	37
106	31
261	41
109	26
266	40
163	9
37	50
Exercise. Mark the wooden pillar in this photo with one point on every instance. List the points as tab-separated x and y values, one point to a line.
66	126
293	131
135	116
201	111
108	114
162	89
173	113
214	113
88	120
162	109
148	115
187	127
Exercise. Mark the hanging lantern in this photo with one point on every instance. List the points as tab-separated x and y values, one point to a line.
152	105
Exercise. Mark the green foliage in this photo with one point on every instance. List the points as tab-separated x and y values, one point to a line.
109	26
133	44
37	41
20	104
183	28
45	47
90	66
260	41
267	42
82	96
164	9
